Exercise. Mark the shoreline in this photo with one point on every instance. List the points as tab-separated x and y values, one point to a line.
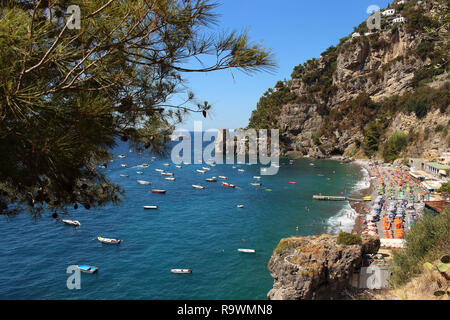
362	207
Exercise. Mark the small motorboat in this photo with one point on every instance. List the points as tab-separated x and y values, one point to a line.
241	170
123	165
87	269
292	182
247	250
320	175
257	177
240	205
178	167
229	185
205	168
223	177
143	182
75	223
181	270
109	241
196	186
170	178
166	164
159	170
158	191
150	207
139	172
256	184
311	164
124	175
121	156
167	173
213	179
145	165
200	171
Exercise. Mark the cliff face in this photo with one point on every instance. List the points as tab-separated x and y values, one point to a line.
322	121
315	267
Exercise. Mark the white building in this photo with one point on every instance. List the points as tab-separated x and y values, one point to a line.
399	20
388	12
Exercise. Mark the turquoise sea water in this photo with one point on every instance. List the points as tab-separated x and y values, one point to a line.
198	229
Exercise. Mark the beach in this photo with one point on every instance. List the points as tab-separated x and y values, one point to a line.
361	207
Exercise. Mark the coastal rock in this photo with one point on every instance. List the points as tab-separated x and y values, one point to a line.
315	267
380	65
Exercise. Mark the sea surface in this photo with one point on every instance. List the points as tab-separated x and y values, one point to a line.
197	229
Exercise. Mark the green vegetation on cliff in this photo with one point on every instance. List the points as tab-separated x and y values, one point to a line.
428	240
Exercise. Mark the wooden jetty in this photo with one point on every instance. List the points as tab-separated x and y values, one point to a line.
336	198
329	198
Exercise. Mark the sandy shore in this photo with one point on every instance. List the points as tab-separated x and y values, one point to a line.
362	207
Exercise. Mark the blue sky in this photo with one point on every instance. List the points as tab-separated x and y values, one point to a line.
295	30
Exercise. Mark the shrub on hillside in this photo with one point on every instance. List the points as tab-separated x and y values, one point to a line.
394	146
427	240
346	238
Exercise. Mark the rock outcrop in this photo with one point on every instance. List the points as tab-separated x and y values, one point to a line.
315	267
380	65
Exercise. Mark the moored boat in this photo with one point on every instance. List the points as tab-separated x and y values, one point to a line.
241	170
229	185
223	177
200	171
159	170
170	178
143	182
247	250
255	184
121	156
181	271
213	179
167	173
257	177
240	205
124	175
75	223
150	207
87	269
158	191
123	165
196	186
109	240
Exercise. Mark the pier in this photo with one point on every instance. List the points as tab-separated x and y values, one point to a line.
329	198
336	198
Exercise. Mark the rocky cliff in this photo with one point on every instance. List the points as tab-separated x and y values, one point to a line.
396	78
315	267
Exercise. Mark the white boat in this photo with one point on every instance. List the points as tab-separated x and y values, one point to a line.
200	171
205	168
213	179
75	223
240	205
196	186
255	184
123	165
87	269
144	182
139	172
170	178
145	165
178	167
121	156
247	250
124	175
166	164
150	207
311	164
108	240
223	177
181	270
241	170
233	167
167	173
257	177
159	170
